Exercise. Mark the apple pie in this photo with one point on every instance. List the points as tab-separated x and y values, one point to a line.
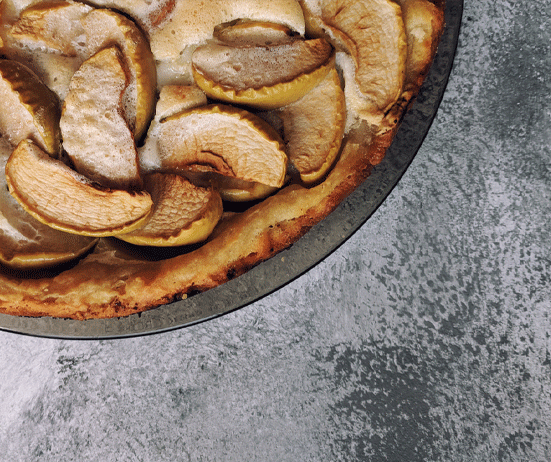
221	130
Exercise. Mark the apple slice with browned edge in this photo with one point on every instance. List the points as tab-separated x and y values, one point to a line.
61	198
25	242
265	76
56	37
243	32
372	32
223	140
313	128
423	22
104	28
50	26
95	133
174	99
182	212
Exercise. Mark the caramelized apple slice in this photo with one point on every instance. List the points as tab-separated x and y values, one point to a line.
182	213
105	28
29	108
26	243
175	99
313	128
95	133
263	76
224	140
372	32
65	200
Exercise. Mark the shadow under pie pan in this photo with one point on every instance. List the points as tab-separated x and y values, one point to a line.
321	240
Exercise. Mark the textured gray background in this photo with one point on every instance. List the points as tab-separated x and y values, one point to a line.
426	337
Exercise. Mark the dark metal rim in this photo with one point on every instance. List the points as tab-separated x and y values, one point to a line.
317	244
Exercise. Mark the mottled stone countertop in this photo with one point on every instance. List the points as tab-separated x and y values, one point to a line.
425	337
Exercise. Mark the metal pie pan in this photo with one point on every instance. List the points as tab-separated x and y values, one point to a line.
313	247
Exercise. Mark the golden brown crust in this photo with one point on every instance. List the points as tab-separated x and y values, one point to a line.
116	279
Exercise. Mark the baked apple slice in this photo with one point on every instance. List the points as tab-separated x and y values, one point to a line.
174	99
63	199
313	128
29	108
182	212
106	28
371	32
224	140
263	76
95	134
26	243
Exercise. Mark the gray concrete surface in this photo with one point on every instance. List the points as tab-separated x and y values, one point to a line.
426	337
